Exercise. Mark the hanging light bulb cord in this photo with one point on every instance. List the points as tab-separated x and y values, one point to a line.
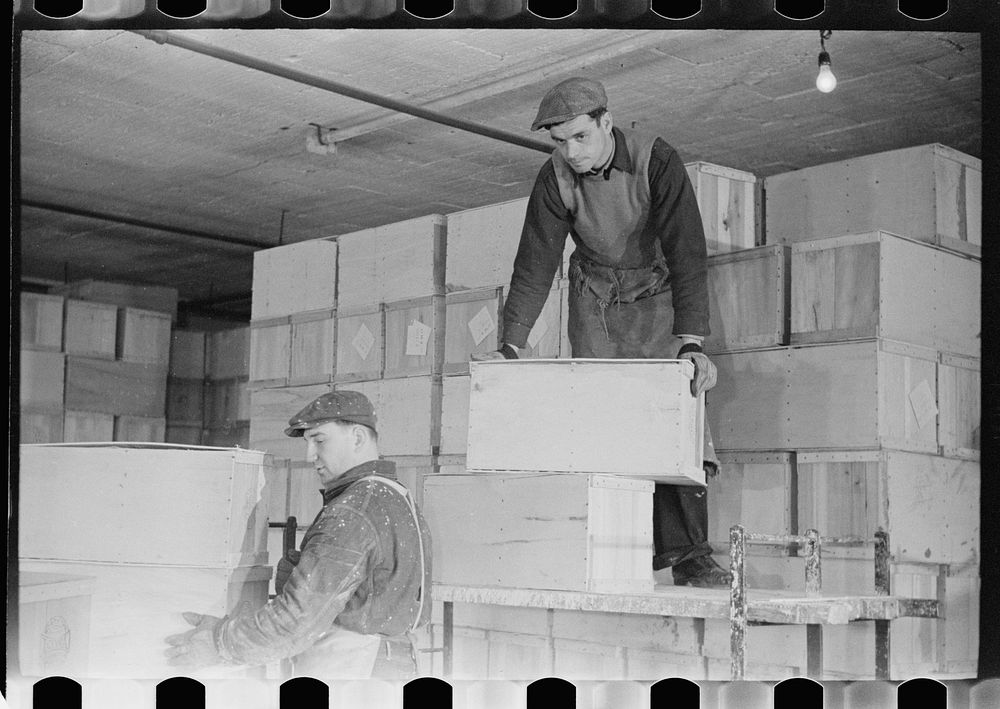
823	36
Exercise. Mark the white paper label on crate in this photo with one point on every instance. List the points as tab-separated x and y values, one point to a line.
922	401
481	325
363	341
417	337
537	332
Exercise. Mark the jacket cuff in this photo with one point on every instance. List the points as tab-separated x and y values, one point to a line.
516	334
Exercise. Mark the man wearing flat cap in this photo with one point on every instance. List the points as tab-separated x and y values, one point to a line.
349	600
638	276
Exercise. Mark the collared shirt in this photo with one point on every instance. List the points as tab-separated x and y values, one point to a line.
673	227
359	568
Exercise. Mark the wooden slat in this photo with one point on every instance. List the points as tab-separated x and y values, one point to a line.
227	401
126	295
455	415
115	387
410	258
753	490
409	414
728	205
959	406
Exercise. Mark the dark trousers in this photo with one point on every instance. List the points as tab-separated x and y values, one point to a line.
643	330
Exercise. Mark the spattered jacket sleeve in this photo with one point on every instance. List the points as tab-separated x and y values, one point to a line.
539	253
675	217
335	560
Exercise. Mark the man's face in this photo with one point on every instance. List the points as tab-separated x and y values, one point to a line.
331	446
584	142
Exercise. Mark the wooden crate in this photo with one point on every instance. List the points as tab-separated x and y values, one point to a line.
313	347
125	295
227	401
959	405
140	429
754	489
70	492
410	258
881	285
228	353
931	193
90	329
311	265
727	200
482	244
564	532
748	299
40	427
270	352
928	504
557	415
42	378
53	624
412	470
455	415
360	343
188	354
135	606
472	326
270	410
88	427
42	321
409	413
863	394
144	336
116	387
186	400
393	262
414	336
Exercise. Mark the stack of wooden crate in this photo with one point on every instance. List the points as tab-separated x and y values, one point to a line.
227	392
92	371
117	522
859	409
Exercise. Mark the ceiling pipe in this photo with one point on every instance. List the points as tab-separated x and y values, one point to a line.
164	37
74	211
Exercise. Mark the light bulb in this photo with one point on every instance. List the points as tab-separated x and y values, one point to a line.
825	81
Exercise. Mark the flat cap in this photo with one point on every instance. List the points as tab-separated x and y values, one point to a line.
569	99
349	406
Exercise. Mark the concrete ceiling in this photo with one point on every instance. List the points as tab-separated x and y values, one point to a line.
150	163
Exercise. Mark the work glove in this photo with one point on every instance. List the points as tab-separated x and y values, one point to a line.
285	566
705	373
505	352
195	648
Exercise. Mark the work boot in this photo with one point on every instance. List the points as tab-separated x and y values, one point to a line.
701	571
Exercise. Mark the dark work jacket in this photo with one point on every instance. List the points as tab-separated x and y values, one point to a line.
359	569
658	221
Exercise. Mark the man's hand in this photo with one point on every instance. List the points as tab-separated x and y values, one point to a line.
195	648
505	352
285	566
705	373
